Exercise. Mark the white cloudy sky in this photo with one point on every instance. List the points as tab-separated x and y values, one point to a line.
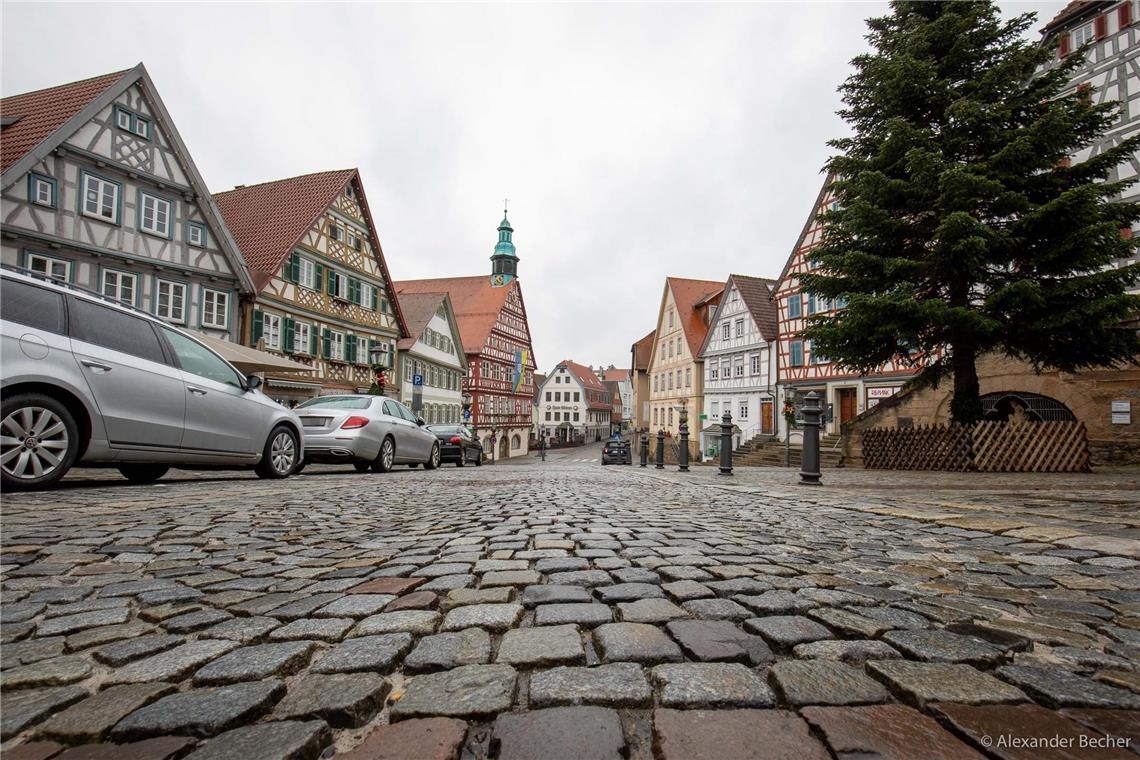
635	141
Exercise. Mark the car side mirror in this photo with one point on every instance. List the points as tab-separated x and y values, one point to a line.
252	382
420	421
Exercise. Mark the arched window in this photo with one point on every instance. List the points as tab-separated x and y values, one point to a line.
516	442
1004	405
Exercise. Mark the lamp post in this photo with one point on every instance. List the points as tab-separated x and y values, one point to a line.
683	429
809	465
375	354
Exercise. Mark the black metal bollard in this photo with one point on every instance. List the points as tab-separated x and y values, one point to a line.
644	447
683	452
809	467
726	444
661	449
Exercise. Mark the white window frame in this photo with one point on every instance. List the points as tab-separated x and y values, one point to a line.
212	302
301	345
1083	34
271	330
145	133
336	346
740	328
171	288
714	371
366	301
307	273
341	285
117	280
743	409
49	263
726	331
162	209
196	231
100	187
39	184
120	113
755	364
362	356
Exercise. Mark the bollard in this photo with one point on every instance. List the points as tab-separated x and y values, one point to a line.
683	452
809	467
644	447
726	444
661	449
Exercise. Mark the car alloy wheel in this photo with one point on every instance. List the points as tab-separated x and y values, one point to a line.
435	456
386	458
33	442
283	453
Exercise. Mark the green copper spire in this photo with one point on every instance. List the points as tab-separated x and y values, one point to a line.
504	262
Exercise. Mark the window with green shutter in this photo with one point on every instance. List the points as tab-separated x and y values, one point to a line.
318	278
326	338
294	268
350	348
287	338
258	326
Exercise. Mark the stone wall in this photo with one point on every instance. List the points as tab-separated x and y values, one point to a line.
1087	394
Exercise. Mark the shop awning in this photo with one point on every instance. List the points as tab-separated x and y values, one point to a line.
714	427
251	360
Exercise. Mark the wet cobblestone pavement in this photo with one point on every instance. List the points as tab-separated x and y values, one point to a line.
563	609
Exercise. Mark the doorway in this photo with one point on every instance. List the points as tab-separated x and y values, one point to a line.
504	447
848	405
767	417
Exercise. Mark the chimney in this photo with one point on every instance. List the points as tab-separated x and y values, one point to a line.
238	187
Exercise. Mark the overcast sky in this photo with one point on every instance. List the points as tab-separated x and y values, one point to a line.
634	141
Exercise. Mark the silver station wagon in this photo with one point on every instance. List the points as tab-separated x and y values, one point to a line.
87	381
368	431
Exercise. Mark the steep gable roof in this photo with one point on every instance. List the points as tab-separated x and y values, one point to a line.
756	292
477	305
642	351
585	375
615	375
689	296
418	310
270	219
45	118
39	114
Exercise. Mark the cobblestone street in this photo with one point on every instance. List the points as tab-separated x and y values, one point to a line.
568	610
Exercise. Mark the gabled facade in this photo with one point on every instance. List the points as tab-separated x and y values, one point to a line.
433	352
99	190
496	341
799	368
640	354
1111	73
324	295
624	384
574	405
676	373
739	354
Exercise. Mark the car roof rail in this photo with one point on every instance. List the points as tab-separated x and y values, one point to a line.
71	286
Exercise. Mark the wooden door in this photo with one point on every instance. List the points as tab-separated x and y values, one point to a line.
766	417
847	405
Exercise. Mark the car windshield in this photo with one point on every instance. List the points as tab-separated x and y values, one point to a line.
444	429
338	402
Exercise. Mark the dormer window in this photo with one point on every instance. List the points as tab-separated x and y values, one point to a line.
123	119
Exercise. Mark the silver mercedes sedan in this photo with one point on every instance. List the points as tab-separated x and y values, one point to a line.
371	432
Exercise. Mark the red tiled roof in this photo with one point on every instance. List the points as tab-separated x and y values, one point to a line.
689	295
42	112
643	351
269	219
585	375
1072	10
476	303
617	375
756	292
418	310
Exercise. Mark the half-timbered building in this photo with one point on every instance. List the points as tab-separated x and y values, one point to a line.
324	295
99	190
801	369
1111	72
496	340
676	372
575	405
739	354
432	364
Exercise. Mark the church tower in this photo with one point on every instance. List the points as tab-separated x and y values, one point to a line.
504	262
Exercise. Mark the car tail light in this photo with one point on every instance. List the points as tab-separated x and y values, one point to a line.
455	439
354	422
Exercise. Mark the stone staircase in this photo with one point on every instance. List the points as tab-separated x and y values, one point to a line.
766	451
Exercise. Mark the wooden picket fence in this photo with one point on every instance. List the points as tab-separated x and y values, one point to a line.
984	447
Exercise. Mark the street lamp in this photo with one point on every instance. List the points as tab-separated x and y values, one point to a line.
375	355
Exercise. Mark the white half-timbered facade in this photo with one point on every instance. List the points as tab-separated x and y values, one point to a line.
574	404
739	354
324	295
99	190
799	368
1111	73
432	353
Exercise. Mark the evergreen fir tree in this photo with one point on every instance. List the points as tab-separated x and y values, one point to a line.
961	227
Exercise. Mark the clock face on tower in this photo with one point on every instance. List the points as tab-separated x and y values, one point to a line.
498	280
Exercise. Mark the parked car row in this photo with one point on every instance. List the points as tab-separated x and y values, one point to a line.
87	381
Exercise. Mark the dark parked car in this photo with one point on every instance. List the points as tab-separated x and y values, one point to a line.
617	450
456	444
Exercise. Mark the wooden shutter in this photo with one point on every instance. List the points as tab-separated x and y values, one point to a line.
1100	26
318	278
1124	15
295	268
287	337
312	340
326	348
1066	45
258	326
332	286
350	348
354	290
375	298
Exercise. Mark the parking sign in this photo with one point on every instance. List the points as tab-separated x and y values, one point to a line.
417	379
